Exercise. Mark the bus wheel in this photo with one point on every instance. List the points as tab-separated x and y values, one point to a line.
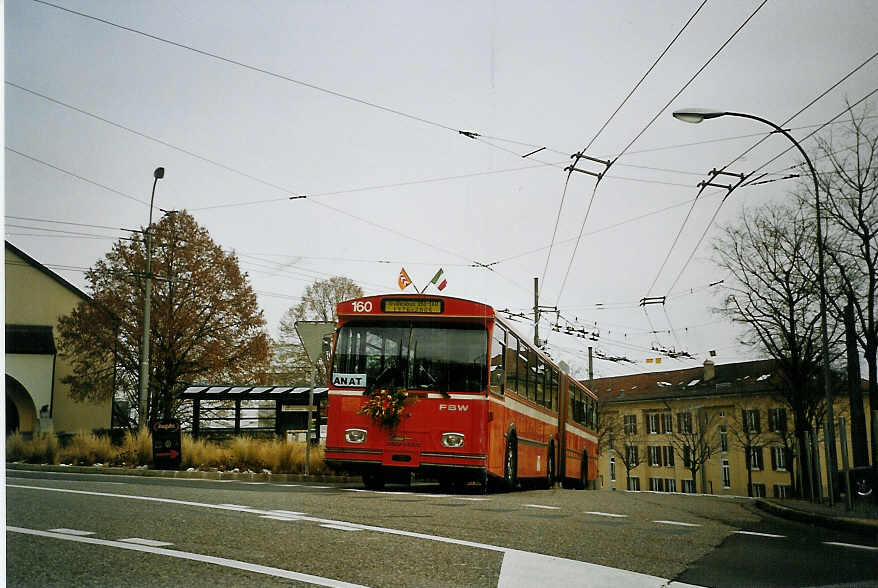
510	464
550	468
373	480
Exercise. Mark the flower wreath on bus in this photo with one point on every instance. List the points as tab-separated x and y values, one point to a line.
386	406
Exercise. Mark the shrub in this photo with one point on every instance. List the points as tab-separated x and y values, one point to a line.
42	448
88	449
136	449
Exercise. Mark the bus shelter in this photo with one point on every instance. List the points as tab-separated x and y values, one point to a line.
260	411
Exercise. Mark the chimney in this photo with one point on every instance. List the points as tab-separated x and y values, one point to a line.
709	370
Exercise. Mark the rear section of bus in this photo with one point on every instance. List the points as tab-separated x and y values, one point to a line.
408	389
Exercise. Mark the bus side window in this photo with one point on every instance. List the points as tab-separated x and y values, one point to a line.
553	399
498	360
512	365
523	376
541	382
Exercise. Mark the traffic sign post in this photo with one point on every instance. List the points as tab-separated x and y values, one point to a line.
166	444
313	334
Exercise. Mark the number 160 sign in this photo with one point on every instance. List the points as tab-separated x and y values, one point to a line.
361	306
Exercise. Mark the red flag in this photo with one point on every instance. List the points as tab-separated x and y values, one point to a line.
443	284
404	280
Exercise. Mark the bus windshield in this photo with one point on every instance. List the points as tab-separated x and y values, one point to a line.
412	355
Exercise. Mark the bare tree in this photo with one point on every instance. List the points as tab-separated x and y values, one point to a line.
319	302
623	438
747	433
849	195
694	439
770	253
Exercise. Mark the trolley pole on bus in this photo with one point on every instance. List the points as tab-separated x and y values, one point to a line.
312	334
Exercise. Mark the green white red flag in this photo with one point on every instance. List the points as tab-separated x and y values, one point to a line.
439	276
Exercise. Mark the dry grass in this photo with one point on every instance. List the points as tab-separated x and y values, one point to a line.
42	448
87	449
244	453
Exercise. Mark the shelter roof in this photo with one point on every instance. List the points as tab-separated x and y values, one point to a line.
229	392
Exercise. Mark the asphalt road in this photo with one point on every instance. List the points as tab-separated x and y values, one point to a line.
99	530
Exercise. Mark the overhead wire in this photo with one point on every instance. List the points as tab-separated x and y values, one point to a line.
674	97
596	135
750	174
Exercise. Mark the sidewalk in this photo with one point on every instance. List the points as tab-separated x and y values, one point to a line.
863	519
195	474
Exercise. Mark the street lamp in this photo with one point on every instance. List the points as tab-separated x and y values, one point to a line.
695	116
158	174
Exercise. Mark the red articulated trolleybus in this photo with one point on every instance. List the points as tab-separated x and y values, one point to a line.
443	387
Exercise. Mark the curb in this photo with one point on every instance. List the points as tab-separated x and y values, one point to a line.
196	475
858	526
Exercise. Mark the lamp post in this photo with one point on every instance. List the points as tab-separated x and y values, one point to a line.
158	174
696	115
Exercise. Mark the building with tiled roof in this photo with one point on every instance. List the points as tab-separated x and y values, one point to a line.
722	416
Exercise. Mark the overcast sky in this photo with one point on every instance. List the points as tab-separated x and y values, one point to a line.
358	106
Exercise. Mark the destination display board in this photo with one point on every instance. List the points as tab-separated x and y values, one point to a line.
412	306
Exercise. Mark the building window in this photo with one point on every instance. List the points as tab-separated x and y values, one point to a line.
779	459
684	422
612	469
634	484
777	420
687	486
670	485
652	424
750	419
630	424
783	491
668	456
655	456
759	490
727	475
656	484
631	455
686	457
723	439
667	423
611	438
756	458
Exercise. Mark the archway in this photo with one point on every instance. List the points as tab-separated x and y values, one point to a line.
21	414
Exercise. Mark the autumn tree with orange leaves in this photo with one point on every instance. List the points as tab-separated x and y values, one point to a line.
206	325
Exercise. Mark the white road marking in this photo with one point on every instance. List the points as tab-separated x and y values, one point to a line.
341	527
286	513
854	545
281	517
542	506
72	532
147	542
522	569
471	498
760	534
288	485
529	570
606	514
255	483
239	507
220	561
678	523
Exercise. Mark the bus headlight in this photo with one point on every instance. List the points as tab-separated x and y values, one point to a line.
452	439
355	435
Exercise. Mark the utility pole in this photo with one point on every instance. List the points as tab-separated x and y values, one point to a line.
158	174
537	312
